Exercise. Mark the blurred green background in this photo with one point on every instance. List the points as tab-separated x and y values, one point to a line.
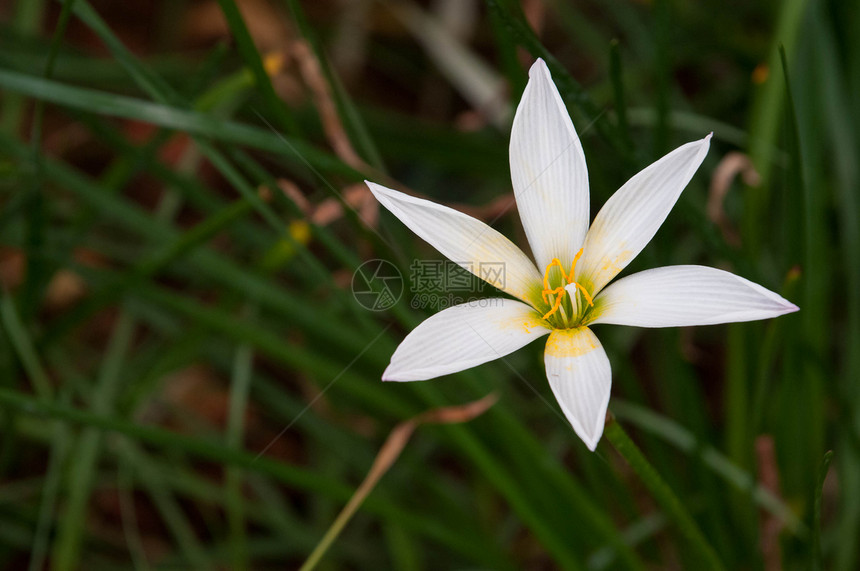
186	380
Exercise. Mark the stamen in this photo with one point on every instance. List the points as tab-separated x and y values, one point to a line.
554	262
585	293
573	266
571	278
560	291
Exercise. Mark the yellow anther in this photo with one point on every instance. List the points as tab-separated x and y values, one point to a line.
554	262
548	292
573	267
559	291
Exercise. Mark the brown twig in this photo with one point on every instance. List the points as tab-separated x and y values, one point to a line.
313	76
771	526
388	454
727	170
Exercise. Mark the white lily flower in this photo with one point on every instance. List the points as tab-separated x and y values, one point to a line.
550	184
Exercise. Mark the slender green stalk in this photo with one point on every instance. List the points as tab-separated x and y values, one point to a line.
765	121
23	345
38	273
125	488
171	511
286	474
773	336
817	564
617	77
661	492
663	71
67	544
27	19
569	88
835	82
678	436
331	534
70	534
349	115
173	117
148	268
243	364
248	51
59	450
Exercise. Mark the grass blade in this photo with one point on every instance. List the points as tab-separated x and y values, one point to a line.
662	493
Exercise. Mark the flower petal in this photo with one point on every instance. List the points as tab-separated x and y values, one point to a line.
580	377
548	172
632	215
464	336
466	241
676	296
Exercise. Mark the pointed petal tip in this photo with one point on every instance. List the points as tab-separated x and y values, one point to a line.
781	305
374	188
386	374
580	377
386	196
539	66
405	374
592	442
589	437
592	438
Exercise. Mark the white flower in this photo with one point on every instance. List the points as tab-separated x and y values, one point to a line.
550	184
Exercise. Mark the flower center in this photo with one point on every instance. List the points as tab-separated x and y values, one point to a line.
555	296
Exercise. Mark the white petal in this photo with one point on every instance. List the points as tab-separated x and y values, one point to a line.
548	172
632	216
466	241
464	336
686	295
580	377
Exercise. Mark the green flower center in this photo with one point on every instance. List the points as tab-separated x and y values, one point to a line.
562	312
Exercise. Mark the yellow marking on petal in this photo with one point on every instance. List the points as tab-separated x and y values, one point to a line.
520	322
531	323
571	342
616	264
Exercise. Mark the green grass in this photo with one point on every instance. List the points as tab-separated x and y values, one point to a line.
211	396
